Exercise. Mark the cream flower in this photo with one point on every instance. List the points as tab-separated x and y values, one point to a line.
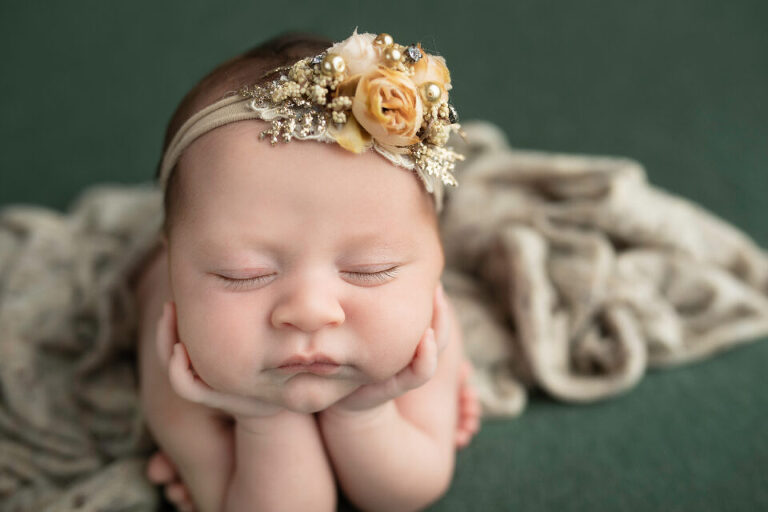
432	68
388	105
358	52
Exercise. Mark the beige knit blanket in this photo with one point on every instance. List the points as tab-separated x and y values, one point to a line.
569	273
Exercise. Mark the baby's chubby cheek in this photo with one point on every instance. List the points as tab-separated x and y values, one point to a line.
393	331
229	337
217	343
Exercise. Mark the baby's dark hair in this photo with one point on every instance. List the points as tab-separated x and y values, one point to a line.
245	69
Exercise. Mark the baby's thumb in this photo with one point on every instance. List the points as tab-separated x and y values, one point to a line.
180	375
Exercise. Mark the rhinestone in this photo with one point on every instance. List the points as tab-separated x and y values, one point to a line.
317	59
413	53
453	116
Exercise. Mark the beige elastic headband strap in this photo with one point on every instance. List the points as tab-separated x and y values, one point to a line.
235	108
225	111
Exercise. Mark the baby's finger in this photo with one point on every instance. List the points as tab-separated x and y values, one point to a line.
425	362
473	424
462	439
422	366
160	470
189	386
165	334
182	379
178	495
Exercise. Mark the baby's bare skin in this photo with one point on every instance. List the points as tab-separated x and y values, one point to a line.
213	428
239	420
162	471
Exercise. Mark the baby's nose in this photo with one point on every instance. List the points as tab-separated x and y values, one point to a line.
309	308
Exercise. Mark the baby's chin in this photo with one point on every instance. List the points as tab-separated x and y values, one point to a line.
308	393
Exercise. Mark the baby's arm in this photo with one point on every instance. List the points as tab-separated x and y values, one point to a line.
280	465
399	455
272	465
278	462
197	439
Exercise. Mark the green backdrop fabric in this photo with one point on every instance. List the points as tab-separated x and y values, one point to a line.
86	88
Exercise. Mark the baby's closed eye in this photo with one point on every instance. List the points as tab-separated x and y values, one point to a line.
380	276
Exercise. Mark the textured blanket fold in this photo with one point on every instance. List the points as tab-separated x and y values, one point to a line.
569	273
583	274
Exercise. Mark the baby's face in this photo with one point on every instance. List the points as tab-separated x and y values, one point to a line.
297	253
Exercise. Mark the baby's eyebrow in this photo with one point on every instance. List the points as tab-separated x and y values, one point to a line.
376	239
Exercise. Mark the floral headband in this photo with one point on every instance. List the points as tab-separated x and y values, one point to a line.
366	91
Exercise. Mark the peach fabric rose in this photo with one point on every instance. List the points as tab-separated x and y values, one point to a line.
388	106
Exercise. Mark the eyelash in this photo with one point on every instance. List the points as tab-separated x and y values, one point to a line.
380	276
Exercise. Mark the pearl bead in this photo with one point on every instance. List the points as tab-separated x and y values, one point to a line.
333	64
432	92
383	39
392	55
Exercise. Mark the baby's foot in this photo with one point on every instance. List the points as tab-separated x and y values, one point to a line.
162	471
469	408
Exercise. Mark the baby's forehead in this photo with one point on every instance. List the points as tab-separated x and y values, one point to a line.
236	162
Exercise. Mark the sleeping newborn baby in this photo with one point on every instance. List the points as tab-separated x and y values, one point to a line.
294	336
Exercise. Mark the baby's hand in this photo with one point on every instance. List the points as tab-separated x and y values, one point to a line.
420	369
189	385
